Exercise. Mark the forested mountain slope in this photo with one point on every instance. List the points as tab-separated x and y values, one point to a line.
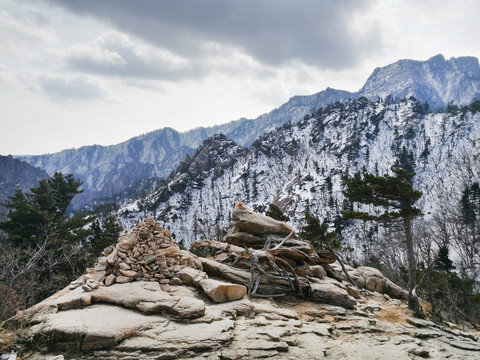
300	167
109	170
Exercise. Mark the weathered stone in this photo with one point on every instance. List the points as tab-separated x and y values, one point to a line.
148	259
189	308
127	241
124	266
109	280
269	308
128	273
171	250
99	327
175	281
112	259
144	296
75	299
326	257
220	292
191	276
258	224
375	281
98	275
123	279
421	323
315	271
329	293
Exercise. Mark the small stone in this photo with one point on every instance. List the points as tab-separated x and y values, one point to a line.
124	266
176	281
113	257
110	280
128	273
92	283
86	288
74	284
123	279
221	292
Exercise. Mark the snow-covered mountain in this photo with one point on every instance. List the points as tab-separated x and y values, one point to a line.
300	166
436	81
108	170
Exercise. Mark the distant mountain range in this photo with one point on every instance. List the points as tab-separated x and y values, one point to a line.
107	171
300	167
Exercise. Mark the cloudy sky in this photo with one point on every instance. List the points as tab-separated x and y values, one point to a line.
76	73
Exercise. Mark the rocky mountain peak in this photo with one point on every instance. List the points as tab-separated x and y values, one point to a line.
436	81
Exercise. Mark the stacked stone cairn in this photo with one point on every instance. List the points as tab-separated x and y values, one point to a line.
149	253
320	276
146	253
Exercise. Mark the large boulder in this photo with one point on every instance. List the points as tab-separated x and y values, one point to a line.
258	224
376	281
328	292
219	291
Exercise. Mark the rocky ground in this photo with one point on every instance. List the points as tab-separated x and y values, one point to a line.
192	326
147	299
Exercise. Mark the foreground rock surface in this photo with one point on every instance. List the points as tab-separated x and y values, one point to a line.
147	299
243	329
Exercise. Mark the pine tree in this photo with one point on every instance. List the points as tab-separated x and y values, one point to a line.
276	213
443	262
396	195
316	233
47	247
37	215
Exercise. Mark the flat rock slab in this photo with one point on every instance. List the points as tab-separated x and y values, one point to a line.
147	297
92	328
465	345
264	308
420	323
179	339
75	299
189	308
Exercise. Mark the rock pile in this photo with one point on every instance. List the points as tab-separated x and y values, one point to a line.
146	253
147	299
267	257
255	230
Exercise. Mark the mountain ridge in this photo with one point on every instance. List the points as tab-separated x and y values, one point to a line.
108	170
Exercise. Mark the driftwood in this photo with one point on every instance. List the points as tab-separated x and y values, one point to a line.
270	286
271	268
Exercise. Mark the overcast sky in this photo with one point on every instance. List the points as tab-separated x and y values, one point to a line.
82	72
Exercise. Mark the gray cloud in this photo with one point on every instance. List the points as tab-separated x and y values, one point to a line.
274	32
76	88
113	54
